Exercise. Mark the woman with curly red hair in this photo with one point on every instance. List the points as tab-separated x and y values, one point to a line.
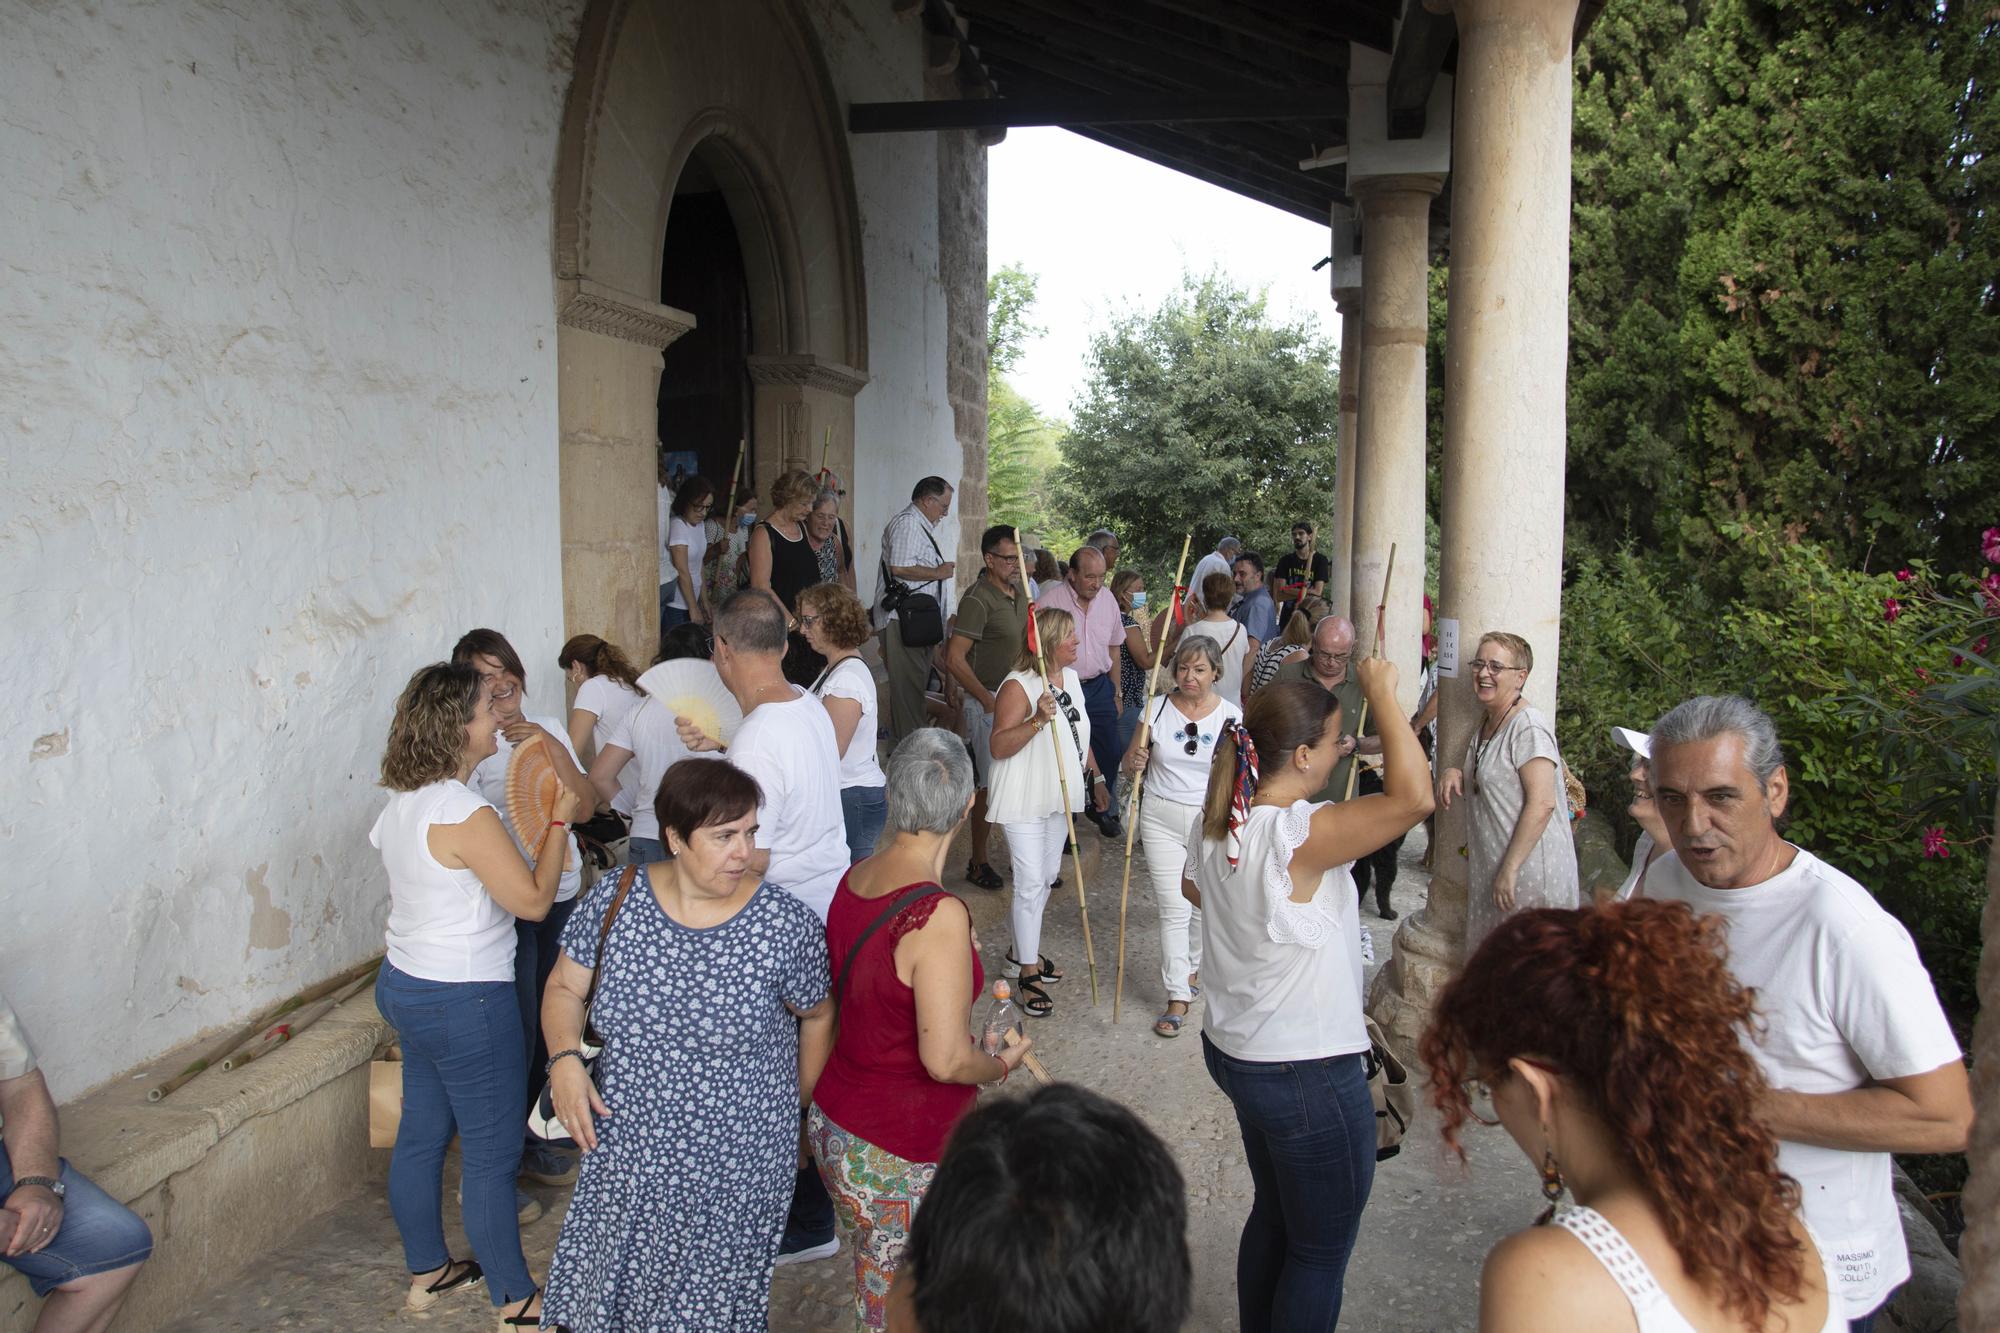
1605	1041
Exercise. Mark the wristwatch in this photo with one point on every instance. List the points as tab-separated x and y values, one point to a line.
53	1186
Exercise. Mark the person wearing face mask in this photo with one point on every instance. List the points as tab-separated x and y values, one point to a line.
488	652
457	887
1604	1043
711	998
1135	654
1180	743
1653	842
1519	850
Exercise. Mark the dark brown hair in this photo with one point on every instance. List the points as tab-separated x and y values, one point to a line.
696	793
489	643
599	658
1281	717
427	738
1216	590
692	492
1633	1005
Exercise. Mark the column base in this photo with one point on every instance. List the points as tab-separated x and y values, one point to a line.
1406	989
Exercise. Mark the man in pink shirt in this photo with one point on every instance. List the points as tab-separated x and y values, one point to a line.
1099	632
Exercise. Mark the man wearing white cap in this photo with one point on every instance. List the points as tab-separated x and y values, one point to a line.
1653	841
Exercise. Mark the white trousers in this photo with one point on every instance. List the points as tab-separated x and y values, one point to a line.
1036	846
1163	831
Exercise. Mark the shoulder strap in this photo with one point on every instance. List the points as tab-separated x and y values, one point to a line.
907	898
604	931
1610	1248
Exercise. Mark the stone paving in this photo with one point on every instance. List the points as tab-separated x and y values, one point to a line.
1427	1228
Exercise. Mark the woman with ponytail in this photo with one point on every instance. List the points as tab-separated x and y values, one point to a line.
1283	1033
607	690
1605	1041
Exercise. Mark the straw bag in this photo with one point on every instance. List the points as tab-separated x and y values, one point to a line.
1389	1088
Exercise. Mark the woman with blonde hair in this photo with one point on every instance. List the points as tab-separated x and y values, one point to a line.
782	560
1519	850
1605	1041
836	625
456	887
1283	1033
1025	789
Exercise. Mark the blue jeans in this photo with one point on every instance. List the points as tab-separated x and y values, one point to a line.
644	851
1100	700
536	944
1309	1134
463	1072
98	1234
865	810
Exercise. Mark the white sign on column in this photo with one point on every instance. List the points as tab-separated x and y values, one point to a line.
1447	649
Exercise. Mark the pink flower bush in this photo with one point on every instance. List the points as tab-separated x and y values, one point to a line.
1990	585
1904	575
1935	845
1891	608
1989	546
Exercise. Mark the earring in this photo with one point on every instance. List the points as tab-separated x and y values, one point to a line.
1552	1185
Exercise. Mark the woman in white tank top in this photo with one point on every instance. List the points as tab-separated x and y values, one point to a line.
1604	1041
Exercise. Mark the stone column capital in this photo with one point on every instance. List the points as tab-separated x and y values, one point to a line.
1555	19
803	370
1401	192
1347	300
597	307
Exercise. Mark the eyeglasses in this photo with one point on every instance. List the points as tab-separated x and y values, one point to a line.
1320	655
1479	1101
1193	734
1062	697
809	620
1484	668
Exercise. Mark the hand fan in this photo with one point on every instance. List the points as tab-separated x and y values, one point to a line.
689	687
532	785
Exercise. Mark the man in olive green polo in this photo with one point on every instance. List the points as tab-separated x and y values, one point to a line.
1326	666
986	637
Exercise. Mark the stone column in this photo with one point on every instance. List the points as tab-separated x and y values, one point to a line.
608	345
1506	350
1389	474
1339	544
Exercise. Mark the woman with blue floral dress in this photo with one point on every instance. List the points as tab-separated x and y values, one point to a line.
711	995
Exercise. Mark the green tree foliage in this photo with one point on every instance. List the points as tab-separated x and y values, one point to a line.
1022	446
1203	415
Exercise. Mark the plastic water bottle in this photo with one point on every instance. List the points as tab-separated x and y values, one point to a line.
1001	1017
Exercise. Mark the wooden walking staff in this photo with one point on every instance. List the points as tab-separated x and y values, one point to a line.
1361	725
735	473
1062	778
1138	781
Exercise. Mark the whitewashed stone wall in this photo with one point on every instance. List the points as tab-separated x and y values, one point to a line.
903	427
278	419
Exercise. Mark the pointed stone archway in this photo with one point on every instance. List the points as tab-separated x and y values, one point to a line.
743	83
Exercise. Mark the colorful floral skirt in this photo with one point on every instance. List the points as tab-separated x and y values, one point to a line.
875	1197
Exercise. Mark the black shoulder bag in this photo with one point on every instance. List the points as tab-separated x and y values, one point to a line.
907	898
921	616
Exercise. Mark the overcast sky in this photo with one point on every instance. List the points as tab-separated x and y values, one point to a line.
1106	231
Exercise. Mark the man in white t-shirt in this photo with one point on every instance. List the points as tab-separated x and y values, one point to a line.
638	750
787	743
1222	560
1860	1059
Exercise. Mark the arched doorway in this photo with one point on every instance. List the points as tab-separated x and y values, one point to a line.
706	400
721	110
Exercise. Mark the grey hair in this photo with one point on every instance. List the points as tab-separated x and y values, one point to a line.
1707	716
826	493
753	621
1100	537
1203	645
929	782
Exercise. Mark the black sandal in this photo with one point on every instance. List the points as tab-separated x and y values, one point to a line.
523	1320
1047	973
981	875
469	1274
1032	999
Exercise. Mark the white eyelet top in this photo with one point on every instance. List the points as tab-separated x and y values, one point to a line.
1650	1306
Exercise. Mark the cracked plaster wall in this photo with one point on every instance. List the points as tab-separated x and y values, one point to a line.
277	423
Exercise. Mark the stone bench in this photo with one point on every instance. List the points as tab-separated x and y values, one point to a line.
226	1167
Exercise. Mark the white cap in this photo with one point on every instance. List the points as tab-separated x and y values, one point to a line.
1638	742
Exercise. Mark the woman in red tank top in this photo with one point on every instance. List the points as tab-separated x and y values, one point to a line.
904	1065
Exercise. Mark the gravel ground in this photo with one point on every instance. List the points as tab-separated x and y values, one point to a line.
1427	1228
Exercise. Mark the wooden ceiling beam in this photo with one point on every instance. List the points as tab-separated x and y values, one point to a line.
1022	112
1297	205
1244	163
1422	44
1080	35
1288	27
